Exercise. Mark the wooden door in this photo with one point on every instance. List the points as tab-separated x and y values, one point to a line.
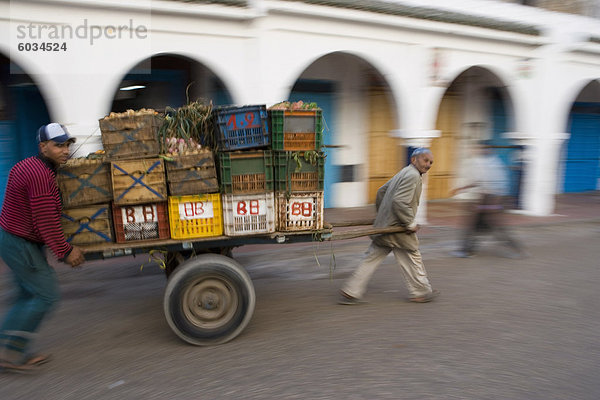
443	171
385	153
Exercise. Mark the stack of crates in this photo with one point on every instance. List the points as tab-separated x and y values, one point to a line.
86	194
137	173
245	170
299	166
194	200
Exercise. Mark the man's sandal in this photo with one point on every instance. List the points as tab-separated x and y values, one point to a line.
6	366
38	359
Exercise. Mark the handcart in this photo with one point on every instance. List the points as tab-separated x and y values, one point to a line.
209	298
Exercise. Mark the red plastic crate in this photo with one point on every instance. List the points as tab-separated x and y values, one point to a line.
141	222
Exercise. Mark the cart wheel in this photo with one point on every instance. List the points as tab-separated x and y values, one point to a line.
209	299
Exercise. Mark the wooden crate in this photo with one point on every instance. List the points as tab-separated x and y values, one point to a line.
141	222
192	173
87	225
138	181
83	182
127	136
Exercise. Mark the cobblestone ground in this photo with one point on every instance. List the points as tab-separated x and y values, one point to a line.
502	328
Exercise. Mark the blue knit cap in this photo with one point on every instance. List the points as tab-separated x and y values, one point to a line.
420	150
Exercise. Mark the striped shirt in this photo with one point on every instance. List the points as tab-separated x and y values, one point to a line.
32	205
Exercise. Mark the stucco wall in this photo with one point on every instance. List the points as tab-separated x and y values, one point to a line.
260	52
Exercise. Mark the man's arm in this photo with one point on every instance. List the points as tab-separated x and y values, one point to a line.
403	199
381	193
46	220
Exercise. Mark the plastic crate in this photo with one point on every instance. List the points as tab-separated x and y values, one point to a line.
289	178
297	130
192	173
248	214
84	182
140	222
246	171
300	211
241	128
87	225
139	181
195	216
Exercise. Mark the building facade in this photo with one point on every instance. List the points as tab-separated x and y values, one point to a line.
389	76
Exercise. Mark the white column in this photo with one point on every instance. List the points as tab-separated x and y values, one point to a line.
541	167
78	102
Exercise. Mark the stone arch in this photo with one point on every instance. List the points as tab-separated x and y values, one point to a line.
386	73
361	111
476	105
579	165
172	79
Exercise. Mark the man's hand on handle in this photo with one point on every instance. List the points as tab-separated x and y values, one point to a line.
412	228
75	257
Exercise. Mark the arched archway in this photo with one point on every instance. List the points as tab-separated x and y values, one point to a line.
359	109
475	107
22	111
580	161
168	80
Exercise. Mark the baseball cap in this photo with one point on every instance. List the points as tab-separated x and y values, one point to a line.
55	132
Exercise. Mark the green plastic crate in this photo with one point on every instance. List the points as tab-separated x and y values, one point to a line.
246	171
296	130
292	178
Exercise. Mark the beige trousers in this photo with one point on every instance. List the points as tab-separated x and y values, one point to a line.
409	261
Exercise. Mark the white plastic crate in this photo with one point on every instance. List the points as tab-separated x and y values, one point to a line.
299	211
248	214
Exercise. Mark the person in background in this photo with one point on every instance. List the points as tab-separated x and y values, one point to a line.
397	201
489	182
29	222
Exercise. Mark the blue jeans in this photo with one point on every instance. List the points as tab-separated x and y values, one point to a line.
38	292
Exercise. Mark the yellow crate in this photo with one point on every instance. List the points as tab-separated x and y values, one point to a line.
195	216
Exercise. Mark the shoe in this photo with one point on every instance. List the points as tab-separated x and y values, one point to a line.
347	300
38	359
6	366
461	254
427	298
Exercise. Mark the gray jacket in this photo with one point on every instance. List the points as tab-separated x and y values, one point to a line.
397	202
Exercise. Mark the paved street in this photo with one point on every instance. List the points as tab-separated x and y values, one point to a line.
502	328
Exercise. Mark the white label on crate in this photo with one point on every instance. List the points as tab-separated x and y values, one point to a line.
301	209
196	210
250	207
139	214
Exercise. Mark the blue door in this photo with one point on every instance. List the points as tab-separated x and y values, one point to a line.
504	148
31	113
8	152
18	135
582	171
322	93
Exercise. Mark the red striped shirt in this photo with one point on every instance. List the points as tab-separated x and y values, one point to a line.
32	205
